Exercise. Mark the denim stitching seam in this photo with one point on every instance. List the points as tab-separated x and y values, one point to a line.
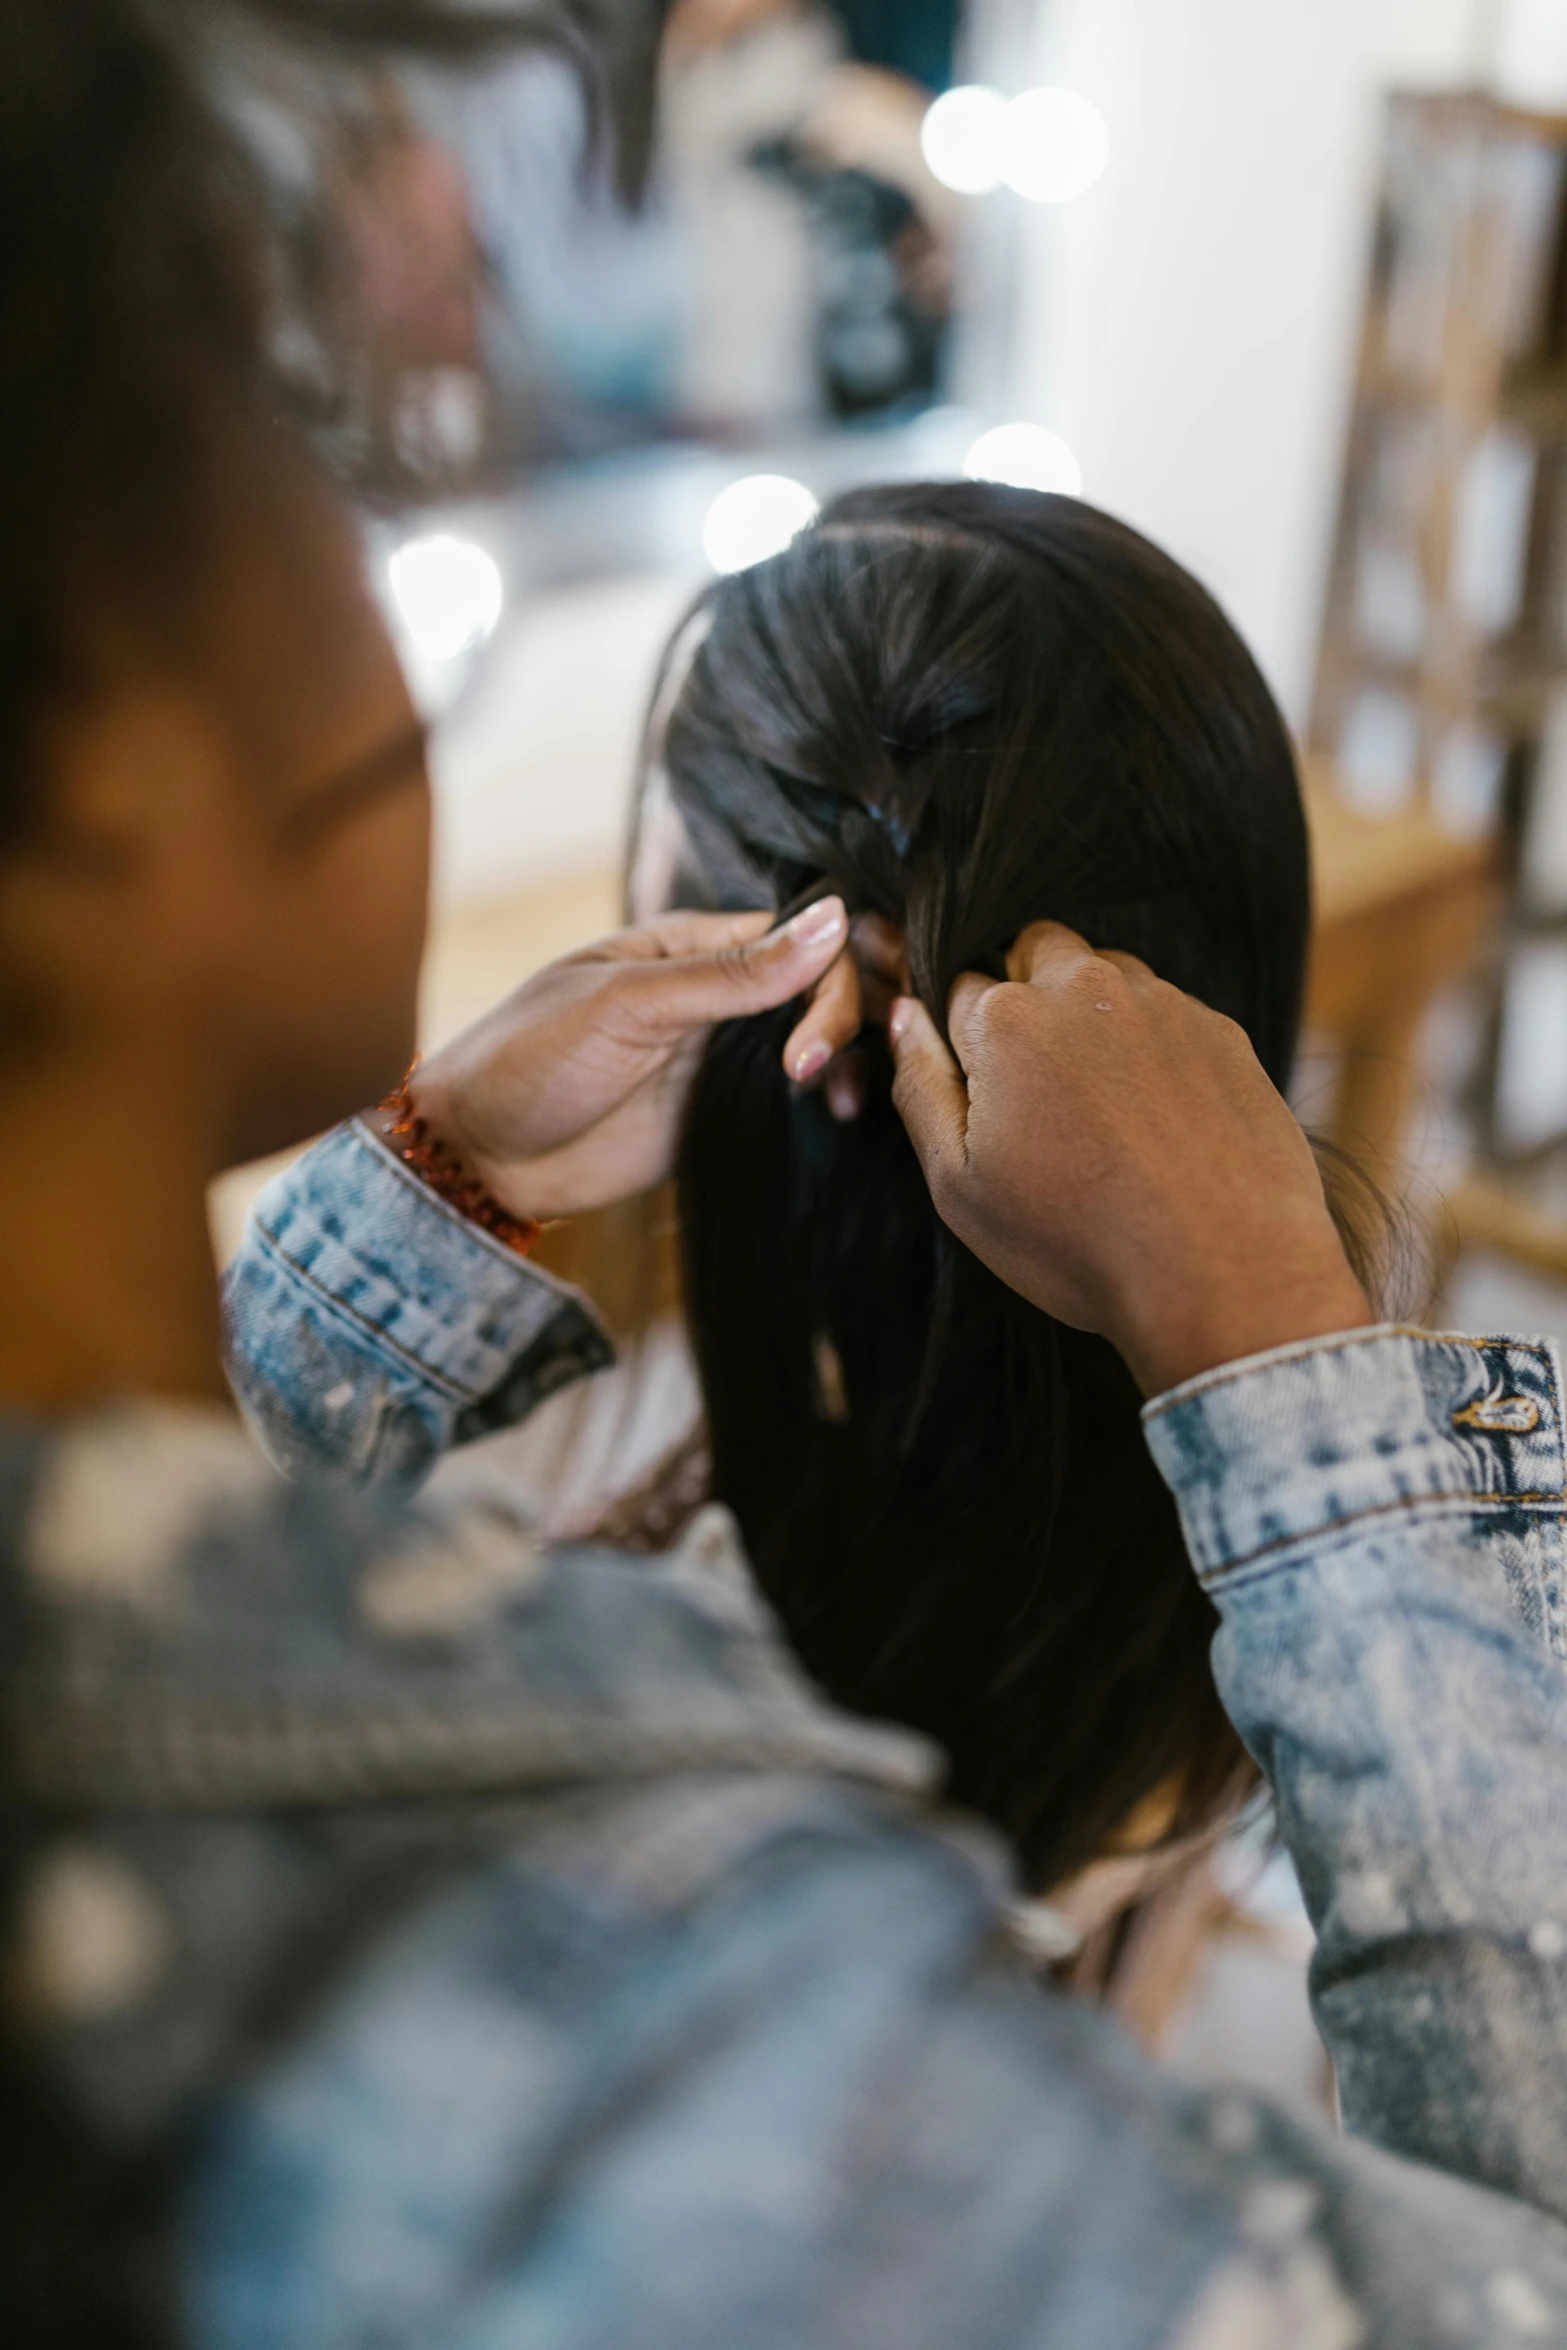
1233	1374
362	1323
1409	1505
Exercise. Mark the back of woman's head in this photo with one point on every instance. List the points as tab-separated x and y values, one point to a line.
967	708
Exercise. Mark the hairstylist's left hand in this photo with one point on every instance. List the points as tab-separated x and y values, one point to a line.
569	1094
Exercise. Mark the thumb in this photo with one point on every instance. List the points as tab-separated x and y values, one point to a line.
692	991
928	1091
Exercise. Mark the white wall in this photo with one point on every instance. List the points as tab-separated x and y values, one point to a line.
1189	324
1526	50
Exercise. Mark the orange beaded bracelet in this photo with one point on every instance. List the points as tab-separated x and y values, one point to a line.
409	1135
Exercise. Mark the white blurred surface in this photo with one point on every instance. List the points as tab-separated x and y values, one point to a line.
1057	145
1487	1295
1531	51
1189	324
533	768
447	593
1025	456
1532	1077
443	597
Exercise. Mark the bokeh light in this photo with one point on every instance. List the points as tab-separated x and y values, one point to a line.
448	594
963	137
753	518
1054	145
1025	457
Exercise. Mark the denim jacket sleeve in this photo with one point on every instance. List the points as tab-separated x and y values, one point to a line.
371	1327
1379	1521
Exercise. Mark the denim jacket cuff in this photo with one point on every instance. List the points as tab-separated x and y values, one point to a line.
1288	1447
361	1239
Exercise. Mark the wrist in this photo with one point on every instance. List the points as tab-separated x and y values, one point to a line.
434	1095
1247	1311
416	1124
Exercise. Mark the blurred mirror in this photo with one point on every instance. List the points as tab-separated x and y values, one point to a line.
600	350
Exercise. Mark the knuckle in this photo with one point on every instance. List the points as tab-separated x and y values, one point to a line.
738	972
632	1006
1071	974
1007	1015
907	1094
1101	975
735	964
1038	946
941	1182
1233	1038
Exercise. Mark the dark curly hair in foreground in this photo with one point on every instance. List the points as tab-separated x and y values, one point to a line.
967	708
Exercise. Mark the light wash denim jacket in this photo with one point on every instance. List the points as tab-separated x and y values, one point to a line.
510	1952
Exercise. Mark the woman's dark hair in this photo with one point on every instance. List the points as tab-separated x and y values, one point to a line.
967	708
144	301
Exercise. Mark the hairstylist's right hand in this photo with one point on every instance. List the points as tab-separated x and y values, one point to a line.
1113	1150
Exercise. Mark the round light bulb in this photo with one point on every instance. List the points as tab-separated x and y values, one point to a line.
1054	145
753	518
448	593
1024	457
962	138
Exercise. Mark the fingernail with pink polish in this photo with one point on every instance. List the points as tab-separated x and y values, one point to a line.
898	1018
811	1062
818	923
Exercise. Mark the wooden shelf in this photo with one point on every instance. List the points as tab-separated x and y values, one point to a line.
1365	864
